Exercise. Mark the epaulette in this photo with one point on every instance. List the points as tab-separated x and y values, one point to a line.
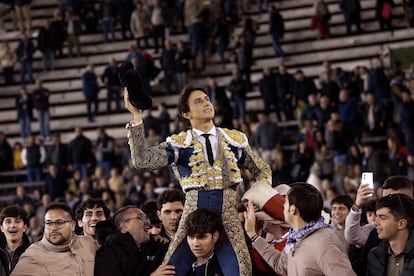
235	137
180	140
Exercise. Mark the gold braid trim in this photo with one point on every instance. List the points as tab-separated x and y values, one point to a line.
142	158
235	233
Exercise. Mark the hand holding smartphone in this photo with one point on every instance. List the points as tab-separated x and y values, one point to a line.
368	179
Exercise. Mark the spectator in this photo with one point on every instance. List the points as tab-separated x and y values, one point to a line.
170	205
111	80
394	225
322	113
23	15
354	232
58	153
407	118
108	10
54	250
45	43
6	153
17	156
89	213
267	137
221	35
276	30
140	25
128	250
371	162
58	34
238	90
349	114
182	65
302	210
302	87
33	156
284	83
322	17
276	234
41	104
203	233
22	198
340	208
117	186
373	116
351	10
13	239
198	34
397	156
167	60
124	9
89	17
55	183
104	150
24	106
164	120
72	30
157	22
80	149
25	51
280	168
219	99
90	91
383	12
329	88
301	160
268	91
244	54
8	60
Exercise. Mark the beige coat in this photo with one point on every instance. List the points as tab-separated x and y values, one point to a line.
8	57
43	258
137	23
319	253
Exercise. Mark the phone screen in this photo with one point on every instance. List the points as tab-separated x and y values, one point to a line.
368	178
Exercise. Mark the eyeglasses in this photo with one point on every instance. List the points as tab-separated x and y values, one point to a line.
58	223
142	217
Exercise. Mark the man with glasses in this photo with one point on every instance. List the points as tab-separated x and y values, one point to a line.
394	221
129	249
60	252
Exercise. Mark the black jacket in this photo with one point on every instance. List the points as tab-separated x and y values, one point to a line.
211	268
7	264
120	256
378	258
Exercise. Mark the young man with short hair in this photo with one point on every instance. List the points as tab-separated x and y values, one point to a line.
89	213
313	248
394	221
340	207
203	232
170	205
13	240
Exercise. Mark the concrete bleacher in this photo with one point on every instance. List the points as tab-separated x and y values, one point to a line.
300	45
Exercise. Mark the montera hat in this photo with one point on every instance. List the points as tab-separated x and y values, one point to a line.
132	80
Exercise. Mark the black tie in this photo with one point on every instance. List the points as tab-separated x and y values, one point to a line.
209	149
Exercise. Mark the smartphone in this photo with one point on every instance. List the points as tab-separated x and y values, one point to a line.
368	178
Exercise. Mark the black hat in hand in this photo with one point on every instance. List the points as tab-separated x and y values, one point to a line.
132	80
